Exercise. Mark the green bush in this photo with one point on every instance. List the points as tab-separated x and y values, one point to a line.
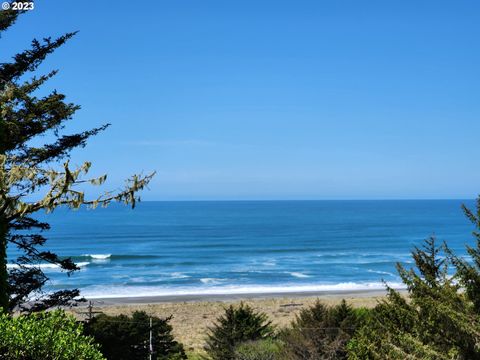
236	326
268	349
127	338
46	336
322	332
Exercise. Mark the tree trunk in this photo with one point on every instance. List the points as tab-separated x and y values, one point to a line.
3	265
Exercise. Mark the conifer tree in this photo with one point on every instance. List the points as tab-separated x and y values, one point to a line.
437	322
238	325
32	169
127	337
467	273
321	332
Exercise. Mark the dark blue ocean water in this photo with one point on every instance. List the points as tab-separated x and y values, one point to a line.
226	247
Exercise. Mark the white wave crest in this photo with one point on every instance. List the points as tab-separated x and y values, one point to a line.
270	263
381	272
99	256
299	274
210	281
179	275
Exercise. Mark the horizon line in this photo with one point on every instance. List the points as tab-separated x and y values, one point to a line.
280	200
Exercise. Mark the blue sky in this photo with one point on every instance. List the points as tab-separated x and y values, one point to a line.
272	99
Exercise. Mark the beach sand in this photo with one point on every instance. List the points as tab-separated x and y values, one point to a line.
192	315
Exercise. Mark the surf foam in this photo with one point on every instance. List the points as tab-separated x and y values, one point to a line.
95	292
43	266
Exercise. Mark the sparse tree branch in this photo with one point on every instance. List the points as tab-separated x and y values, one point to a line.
30	171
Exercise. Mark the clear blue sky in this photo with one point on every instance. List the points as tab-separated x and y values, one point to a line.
273	99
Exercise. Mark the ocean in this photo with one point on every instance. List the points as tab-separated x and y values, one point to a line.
239	247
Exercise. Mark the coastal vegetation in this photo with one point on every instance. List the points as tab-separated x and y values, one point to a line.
437	321
45	335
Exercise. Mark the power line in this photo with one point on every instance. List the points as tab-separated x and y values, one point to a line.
300	328
90	313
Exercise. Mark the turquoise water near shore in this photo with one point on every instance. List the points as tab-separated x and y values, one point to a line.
235	247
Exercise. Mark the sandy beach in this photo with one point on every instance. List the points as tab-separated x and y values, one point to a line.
192	315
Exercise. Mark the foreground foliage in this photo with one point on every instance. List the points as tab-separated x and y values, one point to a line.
238	325
47	336
468	273
127	338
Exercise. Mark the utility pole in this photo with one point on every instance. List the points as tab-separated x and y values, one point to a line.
90	313
151	345
90	310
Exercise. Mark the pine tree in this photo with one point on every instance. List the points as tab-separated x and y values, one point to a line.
43	172
436	322
238	325
469	274
320	332
127	337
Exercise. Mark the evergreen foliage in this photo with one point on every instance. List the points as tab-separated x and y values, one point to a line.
321	332
437	322
34	164
468	274
238	325
127	338
45	335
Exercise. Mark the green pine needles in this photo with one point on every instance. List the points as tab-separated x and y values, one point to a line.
127	337
236	326
321	332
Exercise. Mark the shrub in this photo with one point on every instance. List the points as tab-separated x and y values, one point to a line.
321	332
236	326
268	349
127	338
46	336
